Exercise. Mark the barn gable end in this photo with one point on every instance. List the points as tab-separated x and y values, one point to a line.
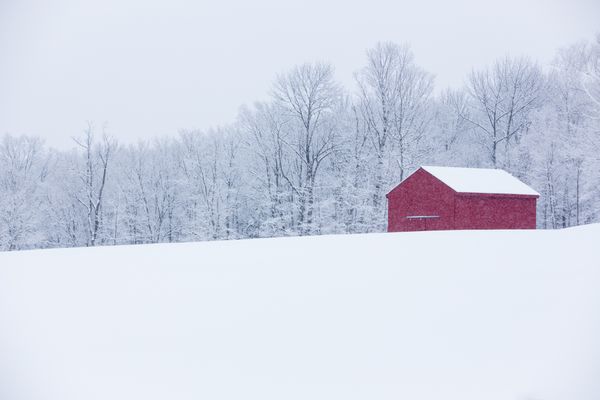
421	202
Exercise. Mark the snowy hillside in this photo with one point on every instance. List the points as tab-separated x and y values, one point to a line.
435	315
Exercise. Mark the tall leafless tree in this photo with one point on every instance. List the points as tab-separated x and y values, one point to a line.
308	95
393	99
502	99
93	178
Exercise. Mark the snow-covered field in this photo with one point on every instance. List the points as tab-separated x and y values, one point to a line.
434	315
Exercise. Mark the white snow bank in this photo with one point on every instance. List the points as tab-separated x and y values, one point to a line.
480	180
432	315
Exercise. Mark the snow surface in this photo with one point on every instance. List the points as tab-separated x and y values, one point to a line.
428	315
480	180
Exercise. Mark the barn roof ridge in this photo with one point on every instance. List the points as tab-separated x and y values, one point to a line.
480	180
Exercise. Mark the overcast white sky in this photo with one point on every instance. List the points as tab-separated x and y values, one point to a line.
151	67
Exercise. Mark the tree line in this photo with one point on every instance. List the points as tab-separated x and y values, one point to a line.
316	158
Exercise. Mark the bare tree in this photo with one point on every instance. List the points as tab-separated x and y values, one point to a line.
394	98
378	84
21	171
266	143
93	178
450	125
151	186
308	95
502	99
591	86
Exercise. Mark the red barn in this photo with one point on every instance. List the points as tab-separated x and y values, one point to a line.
443	198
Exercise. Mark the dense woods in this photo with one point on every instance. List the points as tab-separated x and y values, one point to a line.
317	158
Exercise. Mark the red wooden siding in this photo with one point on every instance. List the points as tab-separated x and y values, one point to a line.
423	202
421	194
489	211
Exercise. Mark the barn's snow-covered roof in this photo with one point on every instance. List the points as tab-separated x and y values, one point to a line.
480	180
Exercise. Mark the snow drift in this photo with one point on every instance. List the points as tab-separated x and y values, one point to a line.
432	315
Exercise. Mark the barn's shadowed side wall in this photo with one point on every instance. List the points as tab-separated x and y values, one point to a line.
481	211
